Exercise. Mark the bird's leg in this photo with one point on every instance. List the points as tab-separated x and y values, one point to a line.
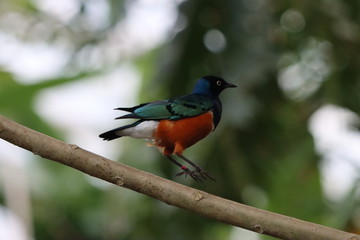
185	169
199	170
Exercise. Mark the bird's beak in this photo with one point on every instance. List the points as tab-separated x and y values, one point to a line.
230	85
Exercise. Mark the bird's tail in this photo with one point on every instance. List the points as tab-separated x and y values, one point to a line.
115	133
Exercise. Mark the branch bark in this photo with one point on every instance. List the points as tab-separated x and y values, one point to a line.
172	193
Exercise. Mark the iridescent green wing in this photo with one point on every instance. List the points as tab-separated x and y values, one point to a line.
189	106
186	106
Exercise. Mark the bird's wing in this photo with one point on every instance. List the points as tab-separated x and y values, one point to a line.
189	106
186	106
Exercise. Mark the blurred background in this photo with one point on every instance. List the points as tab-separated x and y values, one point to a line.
288	141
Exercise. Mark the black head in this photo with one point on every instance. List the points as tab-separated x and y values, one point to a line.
211	86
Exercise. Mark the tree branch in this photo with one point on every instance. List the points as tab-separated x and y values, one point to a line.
172	193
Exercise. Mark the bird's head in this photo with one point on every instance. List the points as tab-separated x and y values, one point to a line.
211	86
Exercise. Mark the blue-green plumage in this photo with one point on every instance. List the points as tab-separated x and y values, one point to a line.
173	109
204	98
176	124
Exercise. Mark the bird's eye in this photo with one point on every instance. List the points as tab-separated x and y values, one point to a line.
218	83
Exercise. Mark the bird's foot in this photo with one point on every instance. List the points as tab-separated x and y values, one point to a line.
198	174
201	174
193	174
204	174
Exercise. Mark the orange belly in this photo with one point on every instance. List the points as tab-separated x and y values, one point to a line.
175	136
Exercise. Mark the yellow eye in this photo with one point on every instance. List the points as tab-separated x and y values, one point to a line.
218	83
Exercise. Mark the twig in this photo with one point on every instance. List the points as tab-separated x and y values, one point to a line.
172	193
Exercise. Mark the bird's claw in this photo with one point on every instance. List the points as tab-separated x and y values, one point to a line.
198	174
205	174
193	174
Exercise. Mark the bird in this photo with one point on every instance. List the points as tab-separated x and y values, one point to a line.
176	124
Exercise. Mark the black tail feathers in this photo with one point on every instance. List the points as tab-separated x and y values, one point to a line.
109	135
114	133
130	109
131	115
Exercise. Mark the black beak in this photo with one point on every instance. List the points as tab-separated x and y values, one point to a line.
230	85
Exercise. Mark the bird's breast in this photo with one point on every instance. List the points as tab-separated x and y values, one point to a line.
184	132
